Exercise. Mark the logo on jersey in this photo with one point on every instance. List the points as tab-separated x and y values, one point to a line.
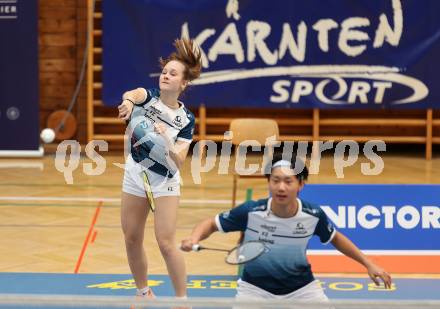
268	228
155	110
260	207
178	122
265	240
300	229
150	114
225	214
330	227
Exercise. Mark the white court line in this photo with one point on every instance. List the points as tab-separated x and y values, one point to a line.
97	199
19	164
222	202
378	252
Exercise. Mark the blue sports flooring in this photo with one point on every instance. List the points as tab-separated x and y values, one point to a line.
204	286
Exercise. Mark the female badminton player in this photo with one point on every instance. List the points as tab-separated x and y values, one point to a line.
161	132
285	223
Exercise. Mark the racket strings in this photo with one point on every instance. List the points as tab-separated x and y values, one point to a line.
246	252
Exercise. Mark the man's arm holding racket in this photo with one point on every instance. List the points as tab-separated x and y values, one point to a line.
348	248
200	232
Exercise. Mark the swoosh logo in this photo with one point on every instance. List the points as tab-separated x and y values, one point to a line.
336	73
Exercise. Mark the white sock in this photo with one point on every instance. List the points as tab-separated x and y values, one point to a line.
143	291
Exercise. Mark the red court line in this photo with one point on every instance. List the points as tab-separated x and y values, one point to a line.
86	241
95	233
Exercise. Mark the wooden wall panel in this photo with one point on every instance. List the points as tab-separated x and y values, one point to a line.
81	35
62	31
62	40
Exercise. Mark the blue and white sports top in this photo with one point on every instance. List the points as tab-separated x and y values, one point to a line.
284	267
149	148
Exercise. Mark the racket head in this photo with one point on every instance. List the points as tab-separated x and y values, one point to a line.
246	252
148	191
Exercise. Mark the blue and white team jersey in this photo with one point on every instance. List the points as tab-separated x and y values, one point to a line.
284	267
149	148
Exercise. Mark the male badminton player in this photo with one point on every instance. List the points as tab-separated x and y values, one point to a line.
285	223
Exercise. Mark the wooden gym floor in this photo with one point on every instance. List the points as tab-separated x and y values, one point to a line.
50	226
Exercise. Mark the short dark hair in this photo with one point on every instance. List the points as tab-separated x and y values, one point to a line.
278	156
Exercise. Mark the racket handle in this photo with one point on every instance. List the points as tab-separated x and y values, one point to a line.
196	247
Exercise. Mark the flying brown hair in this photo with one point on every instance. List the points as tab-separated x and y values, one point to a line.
189	55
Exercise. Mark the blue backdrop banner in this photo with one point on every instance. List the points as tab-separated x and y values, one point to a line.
295	54
381	217
19	121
